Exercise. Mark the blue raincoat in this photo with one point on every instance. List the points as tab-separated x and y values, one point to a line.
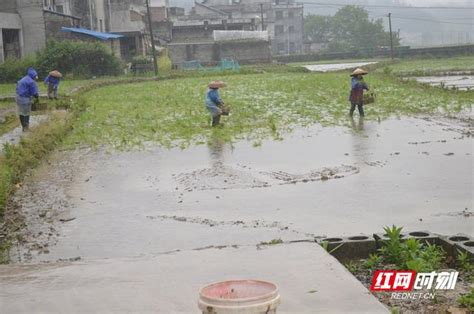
212	101
52	80
25	89
357	91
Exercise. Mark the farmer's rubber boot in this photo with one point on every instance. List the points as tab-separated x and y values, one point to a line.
351	111
22	122
215	120
27	123
361	110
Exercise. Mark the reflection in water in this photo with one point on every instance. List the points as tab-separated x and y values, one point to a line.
359	126
216	151
360	141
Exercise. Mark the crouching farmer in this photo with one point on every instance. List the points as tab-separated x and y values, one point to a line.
214	102
52	81
357	91
25	89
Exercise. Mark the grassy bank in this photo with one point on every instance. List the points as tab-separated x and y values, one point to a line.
433	66
66	86
11	122
18	160
336	61
172	112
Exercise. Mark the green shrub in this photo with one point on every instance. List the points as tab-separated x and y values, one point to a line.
141	60
14	69
410	254
463	261
78	59
164	62
467	300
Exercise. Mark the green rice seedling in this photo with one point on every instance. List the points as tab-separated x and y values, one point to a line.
463	261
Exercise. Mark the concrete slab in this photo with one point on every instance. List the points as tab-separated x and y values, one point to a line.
335	66
169	283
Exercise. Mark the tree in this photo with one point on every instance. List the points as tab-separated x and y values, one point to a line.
317	28
349	30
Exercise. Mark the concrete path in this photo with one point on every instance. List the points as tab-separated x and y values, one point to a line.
335	66
309	280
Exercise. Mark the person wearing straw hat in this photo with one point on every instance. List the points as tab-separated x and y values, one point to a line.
214	103
25	89
52	80
357	91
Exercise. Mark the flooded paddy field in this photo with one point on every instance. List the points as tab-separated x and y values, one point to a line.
318	181
143	194
461	82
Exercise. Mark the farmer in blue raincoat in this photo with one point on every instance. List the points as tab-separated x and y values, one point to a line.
357	91
52	81
26	88
214	103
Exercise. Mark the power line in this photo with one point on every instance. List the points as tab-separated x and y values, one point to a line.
429	20
384	6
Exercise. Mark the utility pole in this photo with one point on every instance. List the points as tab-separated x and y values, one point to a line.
391	36
261	15
155	64
288	28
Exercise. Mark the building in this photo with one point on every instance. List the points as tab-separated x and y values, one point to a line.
283	19
26	25
208	34
242	46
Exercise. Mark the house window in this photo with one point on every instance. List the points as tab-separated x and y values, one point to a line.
279	29
278	15
60	8
281	48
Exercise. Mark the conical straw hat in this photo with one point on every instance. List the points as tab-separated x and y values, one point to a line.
359	71
56	73
216	84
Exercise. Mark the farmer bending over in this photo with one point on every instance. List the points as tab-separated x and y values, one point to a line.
25	89
214	102
52	80
357	92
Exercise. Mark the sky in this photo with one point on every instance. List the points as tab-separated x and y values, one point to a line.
438	2
407	2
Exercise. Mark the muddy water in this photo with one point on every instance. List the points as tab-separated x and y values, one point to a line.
411	172
14	136
461	82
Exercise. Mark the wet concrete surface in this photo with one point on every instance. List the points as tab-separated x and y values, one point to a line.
335	66
461	82
411	172
309	281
